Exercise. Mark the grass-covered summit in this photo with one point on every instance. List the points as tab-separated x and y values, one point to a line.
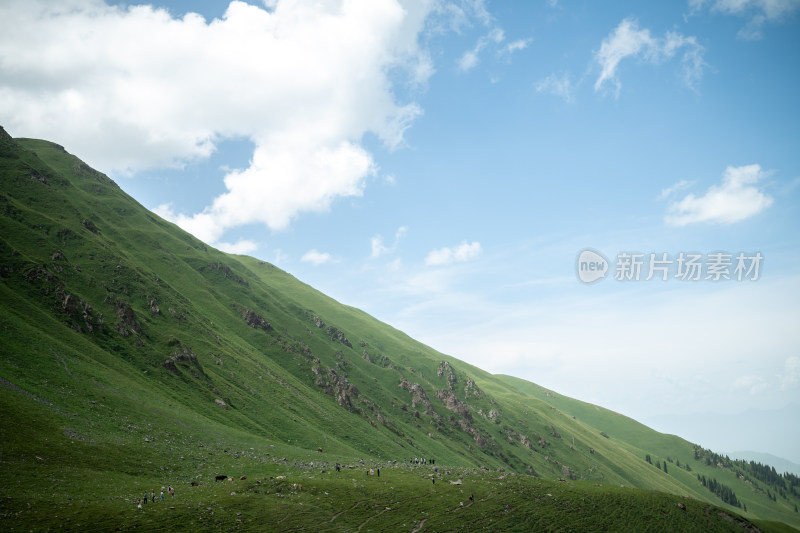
134	356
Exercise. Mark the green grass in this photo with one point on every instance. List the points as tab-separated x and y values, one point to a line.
92	416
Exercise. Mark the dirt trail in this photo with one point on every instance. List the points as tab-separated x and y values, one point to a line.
420	526
334	517
371	517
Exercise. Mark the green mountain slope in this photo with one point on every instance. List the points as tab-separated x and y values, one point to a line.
133	354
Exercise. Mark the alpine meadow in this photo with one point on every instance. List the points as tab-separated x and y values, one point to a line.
135	357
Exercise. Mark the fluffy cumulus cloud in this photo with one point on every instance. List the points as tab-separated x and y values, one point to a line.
456	254
134	88
757	12
735	199
629	41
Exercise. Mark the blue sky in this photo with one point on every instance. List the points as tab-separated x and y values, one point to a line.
441	165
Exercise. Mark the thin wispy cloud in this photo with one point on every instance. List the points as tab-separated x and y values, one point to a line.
469	10
628	40
516	46
455	254
672	189
316	258
379	249
736	198
557	85
757	12
790	378
471	58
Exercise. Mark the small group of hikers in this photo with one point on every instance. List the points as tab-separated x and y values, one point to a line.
420	461
153	497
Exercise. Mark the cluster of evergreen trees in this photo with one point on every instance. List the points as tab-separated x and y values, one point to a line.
724	492
752	471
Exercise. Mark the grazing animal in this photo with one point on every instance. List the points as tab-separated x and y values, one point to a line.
221	477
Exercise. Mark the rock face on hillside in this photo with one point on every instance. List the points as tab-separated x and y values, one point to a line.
472	390
127	320
185	354
449	399
253	319
419	397
337	335
226	271
446	371
80	312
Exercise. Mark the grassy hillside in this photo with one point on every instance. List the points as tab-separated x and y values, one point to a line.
135	356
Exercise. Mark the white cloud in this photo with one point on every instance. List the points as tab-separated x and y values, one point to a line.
241	247
280	257
316	258
628	40
757	12
461	14
379	249
456	254
515	46
133	88
791	374
669	191
751	384
470	59
735	199
556	85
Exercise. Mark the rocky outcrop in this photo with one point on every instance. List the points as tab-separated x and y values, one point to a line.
253	319
446	371
418	396
452	403
185	354
380	360
127	320
88	224
471	389
337	335
80	313
227	273
318	322
345	392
